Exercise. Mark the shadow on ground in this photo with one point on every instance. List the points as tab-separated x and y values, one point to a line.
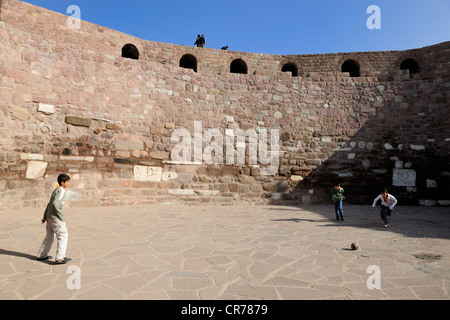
22	255
410	221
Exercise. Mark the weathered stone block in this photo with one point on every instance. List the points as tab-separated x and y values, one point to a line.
256	188
185	177
159	155
19	184
233	187
404	178
285	136
121	160
208	193
20	115
76	159
220	187
431	183
31	156
129	145
255	172
147	174
166	176
46	108
230	171
270	186
246	179
44	128
213	171
296	178
79	122
112	126
36	169
229	119
126	173
181	192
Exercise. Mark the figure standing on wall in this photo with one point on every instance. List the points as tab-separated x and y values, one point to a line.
337	196
198	41
202	41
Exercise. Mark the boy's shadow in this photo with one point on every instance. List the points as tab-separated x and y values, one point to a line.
23	255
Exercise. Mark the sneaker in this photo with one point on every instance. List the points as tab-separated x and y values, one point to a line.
342	219
387	225
43	259
63	261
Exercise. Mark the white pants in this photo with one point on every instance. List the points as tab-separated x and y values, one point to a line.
58	228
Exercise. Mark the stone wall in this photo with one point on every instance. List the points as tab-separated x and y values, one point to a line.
70	103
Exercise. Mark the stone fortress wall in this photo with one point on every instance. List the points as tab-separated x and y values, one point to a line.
70	102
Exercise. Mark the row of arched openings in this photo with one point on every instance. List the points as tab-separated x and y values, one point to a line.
188	61
239	66
353	68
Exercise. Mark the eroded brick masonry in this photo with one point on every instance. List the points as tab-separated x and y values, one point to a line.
103	106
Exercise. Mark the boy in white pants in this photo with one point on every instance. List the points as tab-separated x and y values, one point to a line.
56	224
388	203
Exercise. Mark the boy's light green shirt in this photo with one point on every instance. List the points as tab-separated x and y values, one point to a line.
55	205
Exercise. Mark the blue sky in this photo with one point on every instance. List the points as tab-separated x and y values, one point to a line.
272	27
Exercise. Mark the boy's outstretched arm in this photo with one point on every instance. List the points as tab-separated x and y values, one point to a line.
375	202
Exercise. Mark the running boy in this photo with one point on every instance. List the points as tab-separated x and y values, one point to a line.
388	203
56	224
337	197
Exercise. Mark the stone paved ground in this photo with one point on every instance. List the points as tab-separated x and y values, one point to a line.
216	253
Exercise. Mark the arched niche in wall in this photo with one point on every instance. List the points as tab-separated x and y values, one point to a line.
290	67
238	66
188	61
130	51
352	67
411	65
